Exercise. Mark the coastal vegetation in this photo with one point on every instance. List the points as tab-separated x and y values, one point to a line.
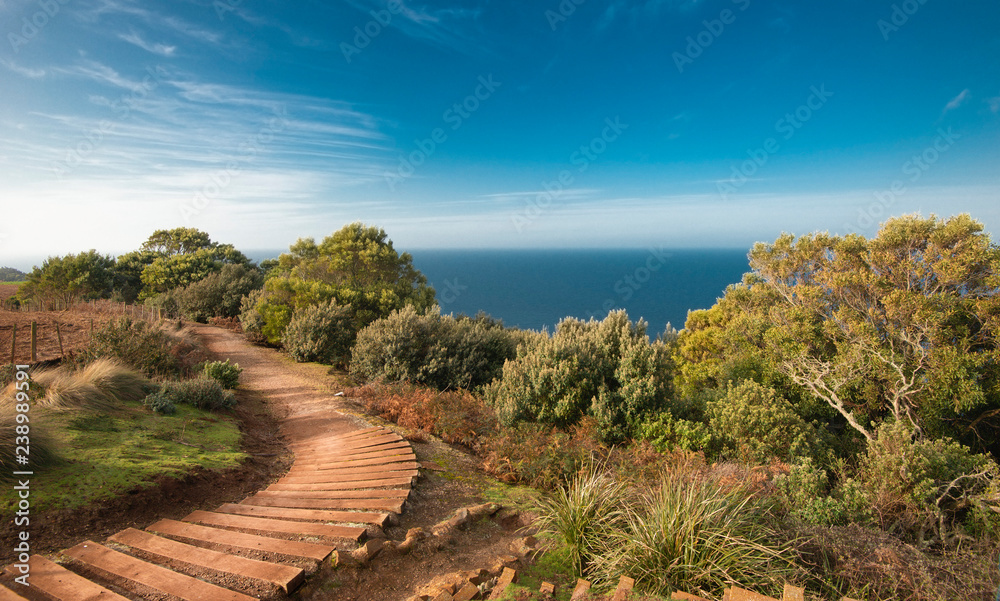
841	402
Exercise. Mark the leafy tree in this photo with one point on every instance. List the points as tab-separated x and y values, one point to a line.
173	258
178	241
902	326
356	266
71	278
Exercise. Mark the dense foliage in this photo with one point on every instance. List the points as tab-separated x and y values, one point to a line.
68	279
608	370
9	274
438	350
322	333
355	266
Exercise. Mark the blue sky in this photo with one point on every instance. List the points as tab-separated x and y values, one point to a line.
481	123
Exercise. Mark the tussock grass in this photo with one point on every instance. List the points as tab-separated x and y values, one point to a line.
582	513
688	534
102	384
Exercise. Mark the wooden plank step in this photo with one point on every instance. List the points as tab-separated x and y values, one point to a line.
389	462
362	475
240	540
227	520
380	442
383	469
342	436
322	452
8	595
377	493
59	583
318	515
325	458
287	578
377	504
352	485
150	575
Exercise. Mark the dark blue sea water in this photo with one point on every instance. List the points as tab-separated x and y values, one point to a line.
536	288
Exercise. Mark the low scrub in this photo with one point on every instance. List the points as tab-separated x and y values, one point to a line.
322	333
202	392
454	416
137	344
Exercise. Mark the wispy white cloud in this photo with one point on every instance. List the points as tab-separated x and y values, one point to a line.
155	48
453	28
21	70
957	101
639	11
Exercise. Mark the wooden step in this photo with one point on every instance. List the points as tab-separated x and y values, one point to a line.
375	493
284	513
326	454
8	595
240	540
150	575
287	578
326	458
363	475
399	462
343	437
59	583
352	485
227	520
376	444
376	504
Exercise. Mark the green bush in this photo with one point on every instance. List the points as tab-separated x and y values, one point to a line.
251	320
160	403
322	333
805	493
608	370
219	294
203	393
922	489
756	425
136	343
438	350
223	372
667	433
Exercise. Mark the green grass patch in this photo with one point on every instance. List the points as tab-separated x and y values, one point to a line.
103	453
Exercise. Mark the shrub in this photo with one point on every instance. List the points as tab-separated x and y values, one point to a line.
434	349
160	403
607	370
251	321
541	456
223	372
202	392
922	489
219	294
756	424
807	496
322	333
135	343
693	535
667	433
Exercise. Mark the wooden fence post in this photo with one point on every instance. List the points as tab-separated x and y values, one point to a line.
13	344
34	341
59	336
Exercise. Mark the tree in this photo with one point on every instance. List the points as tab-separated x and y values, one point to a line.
902	326
173	258
70	279
178	241
356	266
9	274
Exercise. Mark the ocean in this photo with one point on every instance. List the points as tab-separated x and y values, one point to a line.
535	289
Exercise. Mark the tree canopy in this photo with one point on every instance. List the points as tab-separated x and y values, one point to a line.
71	278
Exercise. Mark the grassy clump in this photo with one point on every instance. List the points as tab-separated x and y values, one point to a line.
688	534
137	344
99	385
203	393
